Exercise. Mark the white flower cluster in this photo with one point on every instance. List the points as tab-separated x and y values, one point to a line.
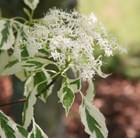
72	36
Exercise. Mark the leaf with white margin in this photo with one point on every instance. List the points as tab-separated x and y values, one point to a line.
30	92
93	120
21	36
42	79
31	3
9	129
33	64
13	66
6	35
90	91
28	111
66	96
36	63
36	131
32	88
75	84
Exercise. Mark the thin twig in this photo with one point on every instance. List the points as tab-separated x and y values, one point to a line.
37	95
48	86
14	102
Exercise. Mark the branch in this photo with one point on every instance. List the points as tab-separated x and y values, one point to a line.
39	94
14	102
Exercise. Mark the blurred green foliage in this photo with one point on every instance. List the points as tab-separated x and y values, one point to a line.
122	19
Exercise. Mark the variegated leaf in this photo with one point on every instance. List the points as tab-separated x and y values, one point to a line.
14	65
21	36
9	129
6	35
93	120
36	131
28	111
75	84
66	96
33	86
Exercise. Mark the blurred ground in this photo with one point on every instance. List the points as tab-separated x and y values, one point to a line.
119	100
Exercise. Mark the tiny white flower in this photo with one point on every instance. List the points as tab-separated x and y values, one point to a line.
72	36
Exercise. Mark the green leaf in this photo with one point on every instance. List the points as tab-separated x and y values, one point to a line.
6	35
9	129
36	131
90	91
66	96
31	3
93	120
